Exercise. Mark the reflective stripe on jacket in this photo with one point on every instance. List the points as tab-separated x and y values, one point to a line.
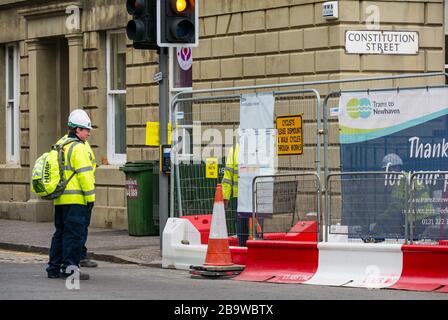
230	179
79	158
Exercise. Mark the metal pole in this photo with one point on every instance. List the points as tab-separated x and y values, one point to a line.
175	170
163	122
325	120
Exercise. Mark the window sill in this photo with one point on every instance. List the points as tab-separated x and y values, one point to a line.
10	166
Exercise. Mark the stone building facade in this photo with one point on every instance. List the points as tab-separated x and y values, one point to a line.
53	64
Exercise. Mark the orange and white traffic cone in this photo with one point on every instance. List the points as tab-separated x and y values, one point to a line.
218	251
218	261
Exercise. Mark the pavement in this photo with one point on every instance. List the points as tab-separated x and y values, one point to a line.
103	244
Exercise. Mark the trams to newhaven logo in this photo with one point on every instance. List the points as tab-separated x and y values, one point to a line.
364	108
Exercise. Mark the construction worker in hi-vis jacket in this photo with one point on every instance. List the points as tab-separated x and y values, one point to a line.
230	194
73	207
392	221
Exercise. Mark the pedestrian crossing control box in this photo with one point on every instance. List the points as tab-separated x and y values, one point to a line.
165	158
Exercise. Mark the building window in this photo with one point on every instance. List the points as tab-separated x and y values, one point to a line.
116	97
12	104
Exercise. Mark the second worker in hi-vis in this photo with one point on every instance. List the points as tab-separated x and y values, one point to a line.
73	208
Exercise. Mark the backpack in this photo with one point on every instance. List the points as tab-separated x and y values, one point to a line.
48	180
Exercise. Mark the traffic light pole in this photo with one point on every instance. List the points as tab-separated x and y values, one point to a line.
159	24
164	106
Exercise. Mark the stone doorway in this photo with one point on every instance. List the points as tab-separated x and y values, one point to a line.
49	91
49	94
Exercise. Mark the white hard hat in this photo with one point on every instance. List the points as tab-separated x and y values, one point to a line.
392	159
79	118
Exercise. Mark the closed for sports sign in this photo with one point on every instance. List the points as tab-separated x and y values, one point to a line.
290	135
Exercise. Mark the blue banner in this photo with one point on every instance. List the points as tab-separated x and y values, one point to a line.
394	132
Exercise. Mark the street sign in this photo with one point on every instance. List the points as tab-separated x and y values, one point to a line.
158	77
211	171
290	135
381	42
181	69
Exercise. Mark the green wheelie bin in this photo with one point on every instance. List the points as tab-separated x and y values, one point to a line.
142	192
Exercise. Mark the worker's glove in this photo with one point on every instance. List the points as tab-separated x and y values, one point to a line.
90	205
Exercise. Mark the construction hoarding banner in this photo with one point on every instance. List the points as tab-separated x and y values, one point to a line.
399	130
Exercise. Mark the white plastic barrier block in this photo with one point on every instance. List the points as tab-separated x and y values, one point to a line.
182	245
358	265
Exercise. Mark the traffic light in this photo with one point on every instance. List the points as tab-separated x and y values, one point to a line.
143	27
178	23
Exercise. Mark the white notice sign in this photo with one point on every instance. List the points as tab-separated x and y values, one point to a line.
381	42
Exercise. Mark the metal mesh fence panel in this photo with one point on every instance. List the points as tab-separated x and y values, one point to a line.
304	104
369	207
207	127
429	207
285	205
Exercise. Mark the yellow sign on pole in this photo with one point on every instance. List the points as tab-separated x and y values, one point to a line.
211	168
290	135
152	134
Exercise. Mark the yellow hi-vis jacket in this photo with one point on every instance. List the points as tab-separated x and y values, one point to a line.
230	179
79	158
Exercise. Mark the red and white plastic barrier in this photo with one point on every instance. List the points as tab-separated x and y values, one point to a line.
202	223
392	266
358	265
280	261
301	231
182	246
425	268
